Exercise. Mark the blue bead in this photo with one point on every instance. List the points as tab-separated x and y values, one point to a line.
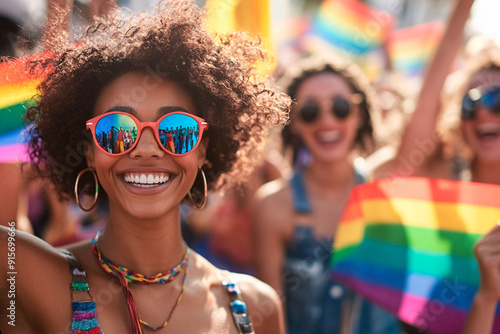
232	288
239	307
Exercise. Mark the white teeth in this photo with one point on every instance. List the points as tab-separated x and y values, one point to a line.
329	136
164	179
488	128
146	180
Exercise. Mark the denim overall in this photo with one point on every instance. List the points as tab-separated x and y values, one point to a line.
315	304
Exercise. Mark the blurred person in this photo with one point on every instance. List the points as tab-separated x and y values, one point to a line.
295	219
455	134
222	233
465	143
13	197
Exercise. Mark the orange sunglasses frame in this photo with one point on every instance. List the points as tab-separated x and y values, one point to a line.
92	123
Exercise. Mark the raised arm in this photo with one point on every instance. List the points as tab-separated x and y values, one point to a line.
101	7
487	252
420	133
57	25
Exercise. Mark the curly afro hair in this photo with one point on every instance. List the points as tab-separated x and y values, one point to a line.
219	73
355	79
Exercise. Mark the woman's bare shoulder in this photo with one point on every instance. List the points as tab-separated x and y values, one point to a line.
435	166
263	302
208	289
29	253
39	274
252	288
274	191
269	197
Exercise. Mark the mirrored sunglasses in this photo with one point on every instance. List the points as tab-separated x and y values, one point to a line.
475	98
117	133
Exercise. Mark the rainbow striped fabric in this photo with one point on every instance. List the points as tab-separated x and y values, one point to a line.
17	88
351	25
407	245
411	48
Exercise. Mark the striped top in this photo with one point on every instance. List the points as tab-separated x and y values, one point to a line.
84	308
84	320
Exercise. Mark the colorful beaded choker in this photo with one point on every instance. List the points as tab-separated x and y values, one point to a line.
125	276
131	276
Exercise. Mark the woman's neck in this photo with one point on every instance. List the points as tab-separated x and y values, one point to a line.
485	172
147	247
332	176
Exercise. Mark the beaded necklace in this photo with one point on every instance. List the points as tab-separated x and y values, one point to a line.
125	276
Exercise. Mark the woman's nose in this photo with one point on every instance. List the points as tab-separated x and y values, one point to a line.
147	146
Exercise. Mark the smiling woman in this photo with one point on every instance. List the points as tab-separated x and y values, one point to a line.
331	123
157	111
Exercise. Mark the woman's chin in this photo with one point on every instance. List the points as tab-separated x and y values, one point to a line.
331	154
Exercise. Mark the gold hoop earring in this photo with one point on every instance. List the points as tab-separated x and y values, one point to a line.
96	194
205	191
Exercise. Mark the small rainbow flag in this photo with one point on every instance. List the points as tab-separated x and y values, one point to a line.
17	88
407	245
410	49
351	25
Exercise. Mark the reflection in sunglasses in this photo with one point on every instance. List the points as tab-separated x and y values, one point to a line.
115	133
475	98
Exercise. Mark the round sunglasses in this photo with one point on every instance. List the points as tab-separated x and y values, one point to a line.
475	98
340	109
116	133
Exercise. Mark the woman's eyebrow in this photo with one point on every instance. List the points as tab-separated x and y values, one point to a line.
128	110
165	110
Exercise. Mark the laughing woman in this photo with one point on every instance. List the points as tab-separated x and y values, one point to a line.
143	74
330	125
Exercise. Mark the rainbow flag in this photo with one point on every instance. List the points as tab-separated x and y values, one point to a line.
251	16
17	88
410	49
407	245
351	25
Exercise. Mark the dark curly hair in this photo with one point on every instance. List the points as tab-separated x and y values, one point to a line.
219	73
355	79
